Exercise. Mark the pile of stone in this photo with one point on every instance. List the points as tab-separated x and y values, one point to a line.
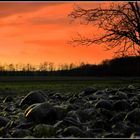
92	113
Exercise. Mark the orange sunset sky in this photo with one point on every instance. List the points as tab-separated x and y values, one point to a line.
34	32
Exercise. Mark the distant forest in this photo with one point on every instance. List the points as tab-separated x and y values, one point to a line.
124	66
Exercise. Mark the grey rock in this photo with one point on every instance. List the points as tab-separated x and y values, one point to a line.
124	128
44	113
88	91
73	131
118	117
111	91
33	97
3	121
72	107
68	121
101	94
121	95
104	104
101	124
131	87
134	105
74	115
25	125
10	107
121	105
114	135
134	99
105	114
20	133
8	99
44	131
87	114
133	116
57	96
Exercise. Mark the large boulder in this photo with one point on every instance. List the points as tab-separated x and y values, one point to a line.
118	117
133	116
44	113
123	128
86	114
121	105
33	97
104	104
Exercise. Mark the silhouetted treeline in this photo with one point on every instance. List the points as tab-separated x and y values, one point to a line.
124	66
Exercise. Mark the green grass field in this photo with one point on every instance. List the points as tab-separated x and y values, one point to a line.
64	85
71	85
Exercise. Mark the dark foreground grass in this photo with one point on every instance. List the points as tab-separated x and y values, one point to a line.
71	86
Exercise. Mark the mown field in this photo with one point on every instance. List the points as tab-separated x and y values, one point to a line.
72	85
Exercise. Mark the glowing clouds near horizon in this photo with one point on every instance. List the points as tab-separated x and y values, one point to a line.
33	32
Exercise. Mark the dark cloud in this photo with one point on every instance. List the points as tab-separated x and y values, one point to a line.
10	8
45	20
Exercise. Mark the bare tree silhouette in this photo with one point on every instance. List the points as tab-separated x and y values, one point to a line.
121	23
